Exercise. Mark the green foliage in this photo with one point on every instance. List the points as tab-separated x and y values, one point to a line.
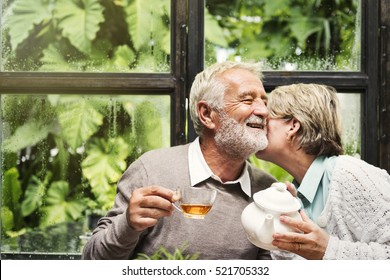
148	126
71	152
37	132
279	173
11	190
11	194
164	254
140	16
79	120
213	32
59	207
24	17
7	219
87	35
134	35
34	195
314	35
105	163
79	21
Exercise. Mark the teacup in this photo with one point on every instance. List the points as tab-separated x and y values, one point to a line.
194	203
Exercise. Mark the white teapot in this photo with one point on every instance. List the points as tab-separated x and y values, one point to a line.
260	219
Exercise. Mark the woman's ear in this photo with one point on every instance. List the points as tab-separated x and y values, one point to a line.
294	126
205	115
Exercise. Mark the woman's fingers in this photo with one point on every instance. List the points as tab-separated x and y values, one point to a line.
310	242
291	188
305	225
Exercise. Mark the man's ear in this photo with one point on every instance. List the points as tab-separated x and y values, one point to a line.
294	126
205	114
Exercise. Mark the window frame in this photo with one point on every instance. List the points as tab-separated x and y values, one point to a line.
365	81
187	59
173	83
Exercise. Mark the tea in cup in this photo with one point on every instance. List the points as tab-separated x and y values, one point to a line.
195	203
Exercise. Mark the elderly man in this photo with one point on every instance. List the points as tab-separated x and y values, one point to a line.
228	108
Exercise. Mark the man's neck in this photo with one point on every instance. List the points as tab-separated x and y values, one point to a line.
220	163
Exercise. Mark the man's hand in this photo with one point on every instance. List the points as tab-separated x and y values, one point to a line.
310	244
147	205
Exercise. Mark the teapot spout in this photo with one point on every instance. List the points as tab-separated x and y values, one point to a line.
266	230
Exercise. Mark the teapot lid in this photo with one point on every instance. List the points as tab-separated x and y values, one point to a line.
277	198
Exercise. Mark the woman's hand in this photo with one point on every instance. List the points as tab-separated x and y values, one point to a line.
291	188
310	244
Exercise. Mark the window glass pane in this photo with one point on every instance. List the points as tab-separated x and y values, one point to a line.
351	114
85	35
285	34
61	158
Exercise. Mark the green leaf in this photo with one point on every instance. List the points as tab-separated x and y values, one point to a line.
24	16
53	60
61	160
280	45
256	50
123	57
79	120
11	190
29	134
279	173
303	27
33	197
52	215
79	21
275	7
166	42
74	209
144	20
60	209
214	33
7	219
57	192
148	126
104	165
164	254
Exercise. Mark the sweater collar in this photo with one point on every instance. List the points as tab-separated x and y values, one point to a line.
200	171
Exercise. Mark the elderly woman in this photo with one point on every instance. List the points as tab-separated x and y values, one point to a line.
346	201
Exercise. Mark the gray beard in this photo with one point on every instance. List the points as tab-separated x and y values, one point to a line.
240	141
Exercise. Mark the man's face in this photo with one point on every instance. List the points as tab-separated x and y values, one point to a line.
240	141
245	95
242	124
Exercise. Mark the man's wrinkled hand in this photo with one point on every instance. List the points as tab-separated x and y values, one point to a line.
147	205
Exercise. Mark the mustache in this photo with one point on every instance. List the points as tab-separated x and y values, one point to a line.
256	120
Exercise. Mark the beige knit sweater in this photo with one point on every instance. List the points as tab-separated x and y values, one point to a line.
357	212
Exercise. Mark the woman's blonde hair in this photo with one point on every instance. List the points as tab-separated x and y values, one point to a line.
209	87
316	107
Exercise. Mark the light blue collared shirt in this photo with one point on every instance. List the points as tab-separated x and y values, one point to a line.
313	190
200	171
